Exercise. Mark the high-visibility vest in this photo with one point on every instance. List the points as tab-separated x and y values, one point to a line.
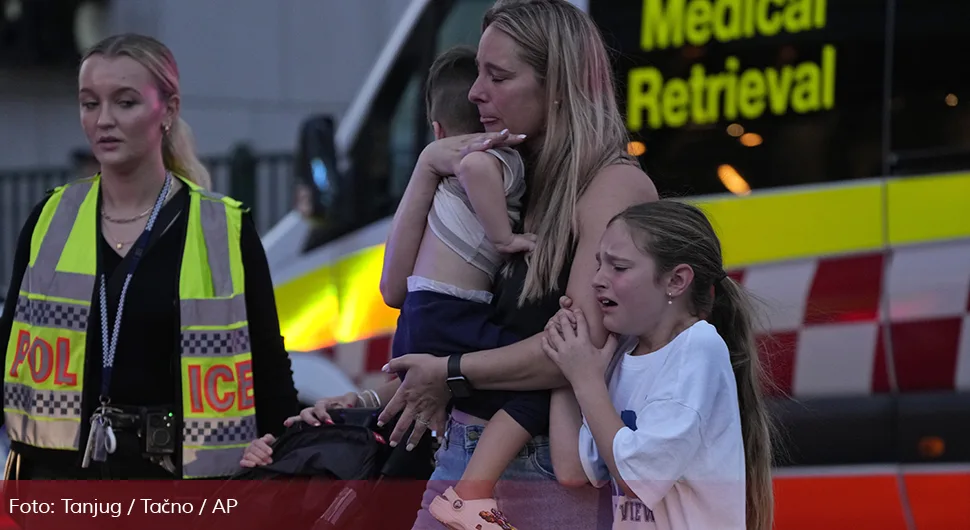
44	373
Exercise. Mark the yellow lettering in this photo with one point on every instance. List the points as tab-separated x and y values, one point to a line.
828	76
820	13
727	20
698	78
806	96
675	103
643	91
698	23
714	87
671	23
779	89
659	29
749	12
751	94
769	23
798	16
705	98
732	64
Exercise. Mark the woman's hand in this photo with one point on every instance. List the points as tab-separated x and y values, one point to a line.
318	412
423	395
259	453
443	156
566	341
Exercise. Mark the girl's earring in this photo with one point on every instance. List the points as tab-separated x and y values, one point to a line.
670	299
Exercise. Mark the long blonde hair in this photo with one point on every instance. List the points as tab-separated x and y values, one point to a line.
178	144
673	233
584	130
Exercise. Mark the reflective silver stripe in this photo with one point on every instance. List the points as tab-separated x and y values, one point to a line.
205	463
219	431
71	285
209	194
42	403
213	460
55	238
216	234
48	434
212	342
60	315
213	312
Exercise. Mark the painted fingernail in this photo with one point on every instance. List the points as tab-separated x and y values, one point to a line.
487	142
393	444
409	447
504	131
386	368
329	422
521	137
380	423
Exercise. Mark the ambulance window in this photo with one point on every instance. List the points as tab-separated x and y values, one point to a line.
463	25
396	129
404	137
387	144
930	87
721	101
460	26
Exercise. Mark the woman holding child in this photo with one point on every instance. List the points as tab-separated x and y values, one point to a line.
543	72
545	86
692	451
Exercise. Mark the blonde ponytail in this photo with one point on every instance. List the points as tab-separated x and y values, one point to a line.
178	154
732	316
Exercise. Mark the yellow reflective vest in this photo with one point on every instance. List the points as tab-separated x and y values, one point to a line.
43	378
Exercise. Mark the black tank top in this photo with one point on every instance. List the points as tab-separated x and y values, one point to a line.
532	316
529	409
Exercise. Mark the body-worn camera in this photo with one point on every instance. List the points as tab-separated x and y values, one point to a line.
158	435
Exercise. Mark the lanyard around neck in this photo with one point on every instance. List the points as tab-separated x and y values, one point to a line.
110	342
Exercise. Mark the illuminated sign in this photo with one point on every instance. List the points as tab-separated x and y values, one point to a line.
734	89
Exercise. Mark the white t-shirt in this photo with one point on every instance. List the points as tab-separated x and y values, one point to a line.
681	451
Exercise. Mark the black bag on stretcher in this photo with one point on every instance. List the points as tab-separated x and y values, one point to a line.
335	477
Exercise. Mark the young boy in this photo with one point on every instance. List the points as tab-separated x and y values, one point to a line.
448	306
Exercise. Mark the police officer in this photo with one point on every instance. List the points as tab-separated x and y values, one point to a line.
141	336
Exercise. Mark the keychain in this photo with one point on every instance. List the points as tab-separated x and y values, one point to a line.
101	440
89	447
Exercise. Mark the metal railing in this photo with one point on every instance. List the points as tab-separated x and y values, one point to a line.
264	182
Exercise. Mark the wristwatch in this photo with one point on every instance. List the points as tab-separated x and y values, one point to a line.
459	386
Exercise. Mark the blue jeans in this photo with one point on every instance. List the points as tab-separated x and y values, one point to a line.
527	493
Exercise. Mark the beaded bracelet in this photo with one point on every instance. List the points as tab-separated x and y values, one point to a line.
368	399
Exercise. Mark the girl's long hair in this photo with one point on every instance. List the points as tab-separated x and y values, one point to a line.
675	233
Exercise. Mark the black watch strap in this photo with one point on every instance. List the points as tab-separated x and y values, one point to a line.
454	366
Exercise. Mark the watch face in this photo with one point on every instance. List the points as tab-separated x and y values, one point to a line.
459	387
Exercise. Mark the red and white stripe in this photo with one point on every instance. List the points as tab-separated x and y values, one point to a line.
835	322
830	323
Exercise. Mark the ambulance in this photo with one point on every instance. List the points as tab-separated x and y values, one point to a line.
828	142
